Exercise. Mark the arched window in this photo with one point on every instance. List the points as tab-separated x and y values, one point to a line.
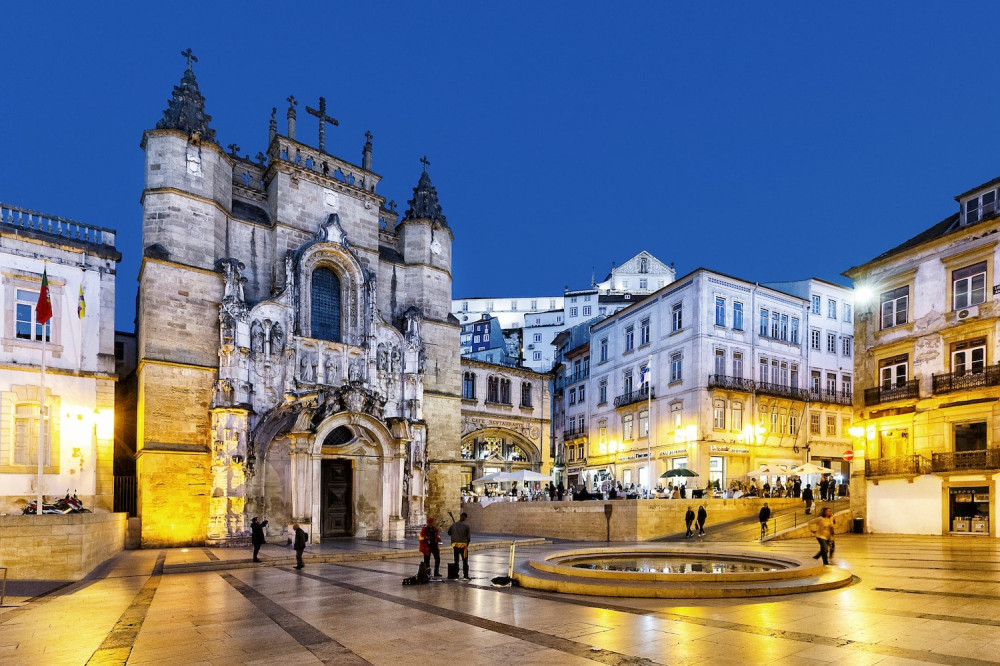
469	386
526	394
325	310
493	389
505	391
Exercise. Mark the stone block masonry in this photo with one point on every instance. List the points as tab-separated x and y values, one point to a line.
59	547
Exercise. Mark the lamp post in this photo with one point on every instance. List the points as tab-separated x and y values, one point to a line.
649	425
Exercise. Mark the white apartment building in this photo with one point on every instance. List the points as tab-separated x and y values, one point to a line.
540	329
509	312
79	387
715	374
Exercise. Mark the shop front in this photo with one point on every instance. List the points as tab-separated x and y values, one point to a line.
727	462
968	508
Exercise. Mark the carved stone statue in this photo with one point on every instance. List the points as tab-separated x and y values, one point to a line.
307	368
332	368
383	357
277	339
256	338
354	370
395	358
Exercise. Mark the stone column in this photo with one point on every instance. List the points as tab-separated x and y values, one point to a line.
227	505
301	474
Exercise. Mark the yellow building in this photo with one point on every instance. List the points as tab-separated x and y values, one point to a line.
928	379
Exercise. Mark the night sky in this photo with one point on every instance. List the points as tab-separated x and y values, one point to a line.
772	141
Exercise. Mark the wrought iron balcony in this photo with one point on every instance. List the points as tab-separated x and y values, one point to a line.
574	433
642	393
834	397
955	381
898	466
965	460
565	380
879	395
782	391
731	383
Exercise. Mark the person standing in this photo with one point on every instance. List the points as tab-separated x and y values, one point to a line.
702	519
560	491
824	534
807	497
299	545
429	539
461	536
763	517
823	486
257	535
688	520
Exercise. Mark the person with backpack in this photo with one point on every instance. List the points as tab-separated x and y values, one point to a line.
300	544
429	540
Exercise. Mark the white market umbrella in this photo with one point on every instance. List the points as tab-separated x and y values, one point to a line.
767	471
526	475
495	477
810	468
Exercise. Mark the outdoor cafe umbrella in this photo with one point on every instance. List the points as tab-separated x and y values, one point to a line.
677	471
495	477
525	475
810	468
767	471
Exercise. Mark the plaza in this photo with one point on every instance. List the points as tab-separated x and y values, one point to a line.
915	599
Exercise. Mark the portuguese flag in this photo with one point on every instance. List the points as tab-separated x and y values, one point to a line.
43	311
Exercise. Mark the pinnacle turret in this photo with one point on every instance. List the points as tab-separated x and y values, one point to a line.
424	204
186	108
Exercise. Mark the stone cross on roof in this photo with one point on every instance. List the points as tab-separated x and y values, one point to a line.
323	120
190	57
426	162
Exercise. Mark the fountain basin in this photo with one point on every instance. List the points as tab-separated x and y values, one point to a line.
638	571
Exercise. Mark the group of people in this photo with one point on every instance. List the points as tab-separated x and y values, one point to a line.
430	544
695	521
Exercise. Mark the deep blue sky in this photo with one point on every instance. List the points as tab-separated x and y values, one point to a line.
772	141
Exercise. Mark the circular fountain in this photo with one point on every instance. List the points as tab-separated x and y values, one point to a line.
657	571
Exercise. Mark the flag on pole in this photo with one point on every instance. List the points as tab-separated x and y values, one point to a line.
43	311
81	305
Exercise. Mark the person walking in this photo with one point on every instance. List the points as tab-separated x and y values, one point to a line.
807	497
257	535
823	529
763	517
688	519
429	539
560	491
702	519
300	544
461	536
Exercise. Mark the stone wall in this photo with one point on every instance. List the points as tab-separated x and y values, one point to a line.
631	520
59	547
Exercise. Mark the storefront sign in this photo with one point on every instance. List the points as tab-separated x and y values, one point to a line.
674	452
722	448
633	456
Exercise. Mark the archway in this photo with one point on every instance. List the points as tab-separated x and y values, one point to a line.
490	450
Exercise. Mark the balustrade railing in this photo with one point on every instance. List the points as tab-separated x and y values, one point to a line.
565	380
731	383
897	466
782	391
306	157
834	397
962	460
642	393
960	381
904	391
15	217
574	433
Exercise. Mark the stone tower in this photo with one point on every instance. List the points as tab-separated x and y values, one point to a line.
297	359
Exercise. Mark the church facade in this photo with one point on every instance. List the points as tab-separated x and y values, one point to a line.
296	356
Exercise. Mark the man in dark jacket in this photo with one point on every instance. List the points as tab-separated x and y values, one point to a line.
807	497
461	535
299	545
763	517
257	535
688	519
429	537
702	519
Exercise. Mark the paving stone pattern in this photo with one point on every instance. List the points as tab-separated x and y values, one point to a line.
916	600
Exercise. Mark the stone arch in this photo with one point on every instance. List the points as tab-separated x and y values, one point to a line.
515	438
345	266
380	434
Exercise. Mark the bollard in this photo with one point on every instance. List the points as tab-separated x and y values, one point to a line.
608	508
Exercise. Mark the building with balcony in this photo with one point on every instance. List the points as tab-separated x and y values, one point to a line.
718	374
506	420
74	432
571	404
928	377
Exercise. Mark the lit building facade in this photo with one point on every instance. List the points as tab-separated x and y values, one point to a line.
928	378
78	450
712	373
506	420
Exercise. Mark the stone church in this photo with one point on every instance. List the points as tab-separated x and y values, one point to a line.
296	356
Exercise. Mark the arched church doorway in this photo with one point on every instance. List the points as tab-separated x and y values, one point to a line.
335	508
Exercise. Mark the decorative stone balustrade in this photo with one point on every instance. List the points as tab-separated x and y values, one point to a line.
15	217
292	152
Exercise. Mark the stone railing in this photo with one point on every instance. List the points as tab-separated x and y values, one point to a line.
17	218
292	152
